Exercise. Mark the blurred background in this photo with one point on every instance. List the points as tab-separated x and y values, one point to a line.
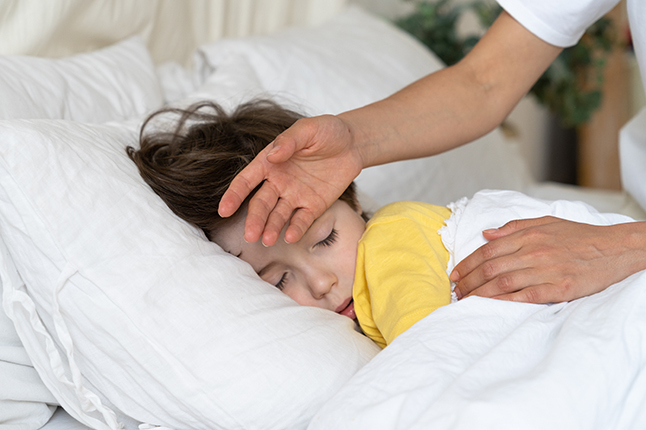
568	126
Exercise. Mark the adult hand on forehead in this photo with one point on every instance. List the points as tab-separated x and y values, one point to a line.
304	171
549	259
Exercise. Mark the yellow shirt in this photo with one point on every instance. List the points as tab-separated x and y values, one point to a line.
401	269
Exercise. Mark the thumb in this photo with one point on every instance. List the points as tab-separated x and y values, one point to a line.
280	150
514	226
295	138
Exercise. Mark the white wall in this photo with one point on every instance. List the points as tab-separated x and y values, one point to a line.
387	8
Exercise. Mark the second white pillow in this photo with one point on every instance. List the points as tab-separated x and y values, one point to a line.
113	83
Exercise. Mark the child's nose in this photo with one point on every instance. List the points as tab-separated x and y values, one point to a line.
321	282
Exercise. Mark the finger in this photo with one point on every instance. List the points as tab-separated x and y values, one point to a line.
488	251
243	184
298	225
516	225
505	283
297	137
282	149
260	206
277	220
538	294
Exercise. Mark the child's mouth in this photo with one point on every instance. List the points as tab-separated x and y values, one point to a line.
348	310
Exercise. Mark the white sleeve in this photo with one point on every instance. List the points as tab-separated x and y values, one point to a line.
558	22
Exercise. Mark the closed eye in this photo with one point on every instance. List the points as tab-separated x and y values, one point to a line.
283	280
328	241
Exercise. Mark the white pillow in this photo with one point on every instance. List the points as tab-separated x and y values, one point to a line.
114	295
113	83
353	60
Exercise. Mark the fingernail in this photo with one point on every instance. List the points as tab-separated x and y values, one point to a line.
490	231
458	293
455	276
244	237
286	241
274	150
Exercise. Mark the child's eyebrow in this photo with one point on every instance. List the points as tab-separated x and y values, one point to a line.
315	225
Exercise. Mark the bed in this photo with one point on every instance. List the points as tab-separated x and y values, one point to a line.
117	314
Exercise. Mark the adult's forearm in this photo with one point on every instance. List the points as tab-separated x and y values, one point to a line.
455	105
433	115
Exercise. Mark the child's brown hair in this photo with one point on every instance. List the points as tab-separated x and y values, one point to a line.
191	166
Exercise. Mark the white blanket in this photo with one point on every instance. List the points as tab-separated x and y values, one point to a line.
489	364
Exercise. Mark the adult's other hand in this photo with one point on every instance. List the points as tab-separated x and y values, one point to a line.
549	259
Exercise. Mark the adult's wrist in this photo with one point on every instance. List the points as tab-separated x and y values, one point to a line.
632	240
363	140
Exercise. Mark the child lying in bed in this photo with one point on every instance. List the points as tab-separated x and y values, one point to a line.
388	273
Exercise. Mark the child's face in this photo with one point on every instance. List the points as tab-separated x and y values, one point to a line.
316	271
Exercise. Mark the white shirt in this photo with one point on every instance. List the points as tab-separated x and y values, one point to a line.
562	23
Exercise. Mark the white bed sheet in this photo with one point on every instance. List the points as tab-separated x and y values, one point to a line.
489	364
61	420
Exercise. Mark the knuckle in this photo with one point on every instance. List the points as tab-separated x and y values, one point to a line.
307	216
259	208
488	251
532	295
240	183
506	283
301	221
513	224
275	222
298	229
538	253
283	211
529	233
262	204
489	270
533	235
566	285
